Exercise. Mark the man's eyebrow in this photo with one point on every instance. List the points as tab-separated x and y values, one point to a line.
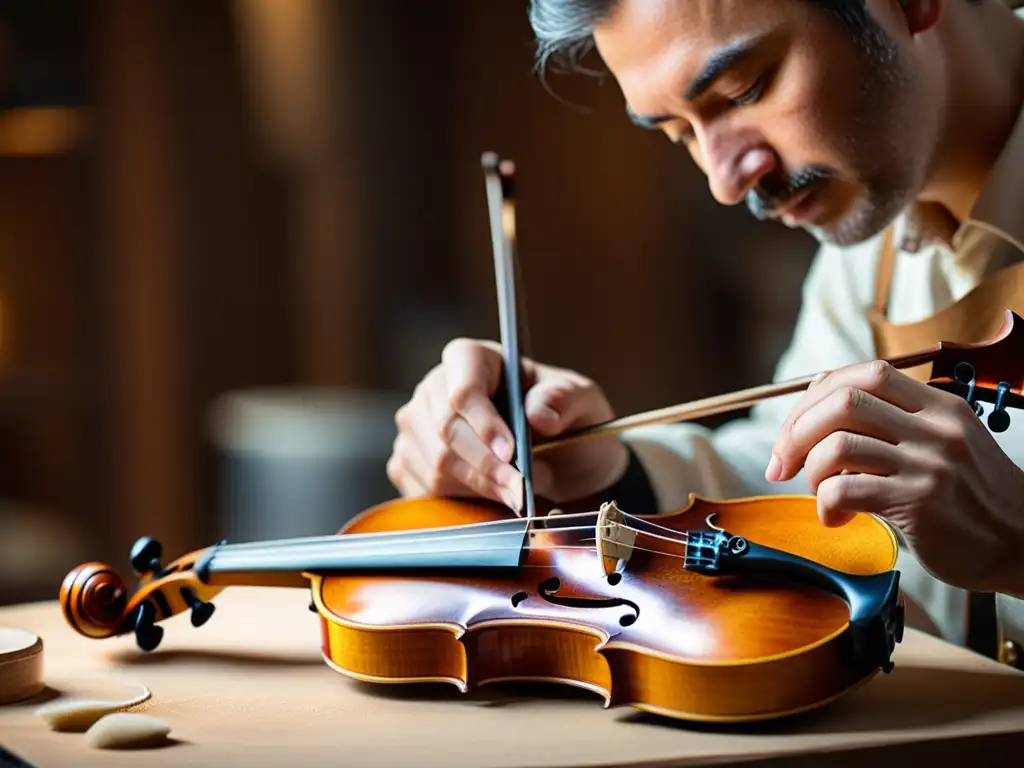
721	60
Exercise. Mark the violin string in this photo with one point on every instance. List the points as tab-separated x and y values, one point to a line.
350	543
387	536
228	553
549	547
444	532
253	563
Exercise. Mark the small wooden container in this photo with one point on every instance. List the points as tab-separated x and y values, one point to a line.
21	665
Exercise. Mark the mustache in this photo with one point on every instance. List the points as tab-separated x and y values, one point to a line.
772	194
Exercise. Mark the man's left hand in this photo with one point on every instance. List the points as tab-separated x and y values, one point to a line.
872	439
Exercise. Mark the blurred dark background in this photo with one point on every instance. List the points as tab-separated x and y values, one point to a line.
234	235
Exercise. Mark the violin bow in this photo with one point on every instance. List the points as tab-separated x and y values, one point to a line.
499	176
744	398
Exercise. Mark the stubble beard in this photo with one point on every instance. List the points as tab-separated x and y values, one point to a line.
873	210
883	133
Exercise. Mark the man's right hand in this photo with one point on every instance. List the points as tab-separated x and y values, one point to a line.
452	441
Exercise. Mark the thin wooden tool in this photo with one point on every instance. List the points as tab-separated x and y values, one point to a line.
710	406
499	176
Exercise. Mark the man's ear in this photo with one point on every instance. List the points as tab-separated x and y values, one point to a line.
921	15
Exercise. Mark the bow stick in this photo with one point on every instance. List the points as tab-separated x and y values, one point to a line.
499	176
959	376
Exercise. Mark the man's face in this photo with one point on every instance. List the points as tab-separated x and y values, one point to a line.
802	121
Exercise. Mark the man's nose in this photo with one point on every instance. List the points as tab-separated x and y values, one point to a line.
733	176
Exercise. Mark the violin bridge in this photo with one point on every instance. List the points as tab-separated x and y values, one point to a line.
614	539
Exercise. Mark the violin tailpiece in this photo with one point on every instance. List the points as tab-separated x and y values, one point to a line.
876	608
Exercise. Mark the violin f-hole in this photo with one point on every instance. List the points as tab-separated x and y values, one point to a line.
548	588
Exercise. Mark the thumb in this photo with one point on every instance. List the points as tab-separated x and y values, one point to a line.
560	401
836	518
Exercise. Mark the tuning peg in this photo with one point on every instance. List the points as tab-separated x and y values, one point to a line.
964	373
146	556
201	610
147	634
999	419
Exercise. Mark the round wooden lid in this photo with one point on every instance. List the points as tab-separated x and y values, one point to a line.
21	665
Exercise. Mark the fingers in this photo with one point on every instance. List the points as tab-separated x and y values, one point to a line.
453	440
842	497
472	372
846	452
877	377
874	400
461	452
423	463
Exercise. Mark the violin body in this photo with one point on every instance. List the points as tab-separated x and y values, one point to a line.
691	646
668	613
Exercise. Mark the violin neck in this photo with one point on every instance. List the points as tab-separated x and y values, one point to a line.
499	544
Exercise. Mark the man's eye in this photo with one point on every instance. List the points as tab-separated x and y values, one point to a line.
752	94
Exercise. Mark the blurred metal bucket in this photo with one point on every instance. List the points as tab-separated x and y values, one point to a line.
299	462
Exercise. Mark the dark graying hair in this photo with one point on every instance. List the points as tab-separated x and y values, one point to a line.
564	28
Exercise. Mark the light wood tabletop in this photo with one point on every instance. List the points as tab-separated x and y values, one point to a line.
250	688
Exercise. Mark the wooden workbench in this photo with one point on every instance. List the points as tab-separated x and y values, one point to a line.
249	688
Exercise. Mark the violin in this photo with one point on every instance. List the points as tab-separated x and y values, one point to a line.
724	611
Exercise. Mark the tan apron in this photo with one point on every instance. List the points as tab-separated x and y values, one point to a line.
974	318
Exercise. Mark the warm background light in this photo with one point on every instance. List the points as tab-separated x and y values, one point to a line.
41	131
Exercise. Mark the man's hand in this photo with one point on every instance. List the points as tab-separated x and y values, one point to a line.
872	439
452	442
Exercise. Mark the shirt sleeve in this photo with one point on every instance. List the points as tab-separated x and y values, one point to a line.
831	331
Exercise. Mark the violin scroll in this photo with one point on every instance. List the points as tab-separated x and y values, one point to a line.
93	599
988	372
97	603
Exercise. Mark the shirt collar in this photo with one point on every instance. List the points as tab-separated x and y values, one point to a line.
997	217
996	222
